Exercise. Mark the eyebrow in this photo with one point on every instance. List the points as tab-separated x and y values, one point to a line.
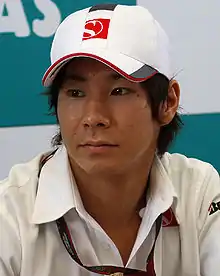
75	77
116	76
80	78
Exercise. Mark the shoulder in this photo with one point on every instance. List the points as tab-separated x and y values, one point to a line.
180	162
197	185
188	172
19	175
197	207
18	190
17	194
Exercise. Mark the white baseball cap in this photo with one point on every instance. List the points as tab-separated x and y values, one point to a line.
126	38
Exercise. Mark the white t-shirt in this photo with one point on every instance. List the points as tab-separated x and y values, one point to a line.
30	244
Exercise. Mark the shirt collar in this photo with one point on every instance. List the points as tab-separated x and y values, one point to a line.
58	193
55	194
162	192
160	196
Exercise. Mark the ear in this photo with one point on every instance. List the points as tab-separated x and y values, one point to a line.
169	107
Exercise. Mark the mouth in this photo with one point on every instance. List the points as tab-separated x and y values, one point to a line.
98	146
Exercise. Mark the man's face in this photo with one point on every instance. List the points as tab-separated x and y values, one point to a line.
105	120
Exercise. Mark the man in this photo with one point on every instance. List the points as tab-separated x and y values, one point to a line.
110	199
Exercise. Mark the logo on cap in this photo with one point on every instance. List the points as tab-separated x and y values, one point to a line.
96	28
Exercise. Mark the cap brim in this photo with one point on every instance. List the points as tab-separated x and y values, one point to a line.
126	66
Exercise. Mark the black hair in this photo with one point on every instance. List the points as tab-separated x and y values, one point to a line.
157	91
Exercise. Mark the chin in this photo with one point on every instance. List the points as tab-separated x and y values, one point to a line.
101	167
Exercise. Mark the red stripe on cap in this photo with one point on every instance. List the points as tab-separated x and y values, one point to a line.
111	65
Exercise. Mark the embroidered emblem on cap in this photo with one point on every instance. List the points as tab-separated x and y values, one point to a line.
96	28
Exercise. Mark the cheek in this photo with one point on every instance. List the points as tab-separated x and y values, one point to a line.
143	123
139	126
135	114
69	115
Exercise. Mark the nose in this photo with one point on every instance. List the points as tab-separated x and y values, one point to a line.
96	116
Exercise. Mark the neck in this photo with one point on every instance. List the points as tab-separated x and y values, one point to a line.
113	198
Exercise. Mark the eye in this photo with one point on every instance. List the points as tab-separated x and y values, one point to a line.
120	91
75	93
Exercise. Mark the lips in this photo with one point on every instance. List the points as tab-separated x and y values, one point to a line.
98	144
98	147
